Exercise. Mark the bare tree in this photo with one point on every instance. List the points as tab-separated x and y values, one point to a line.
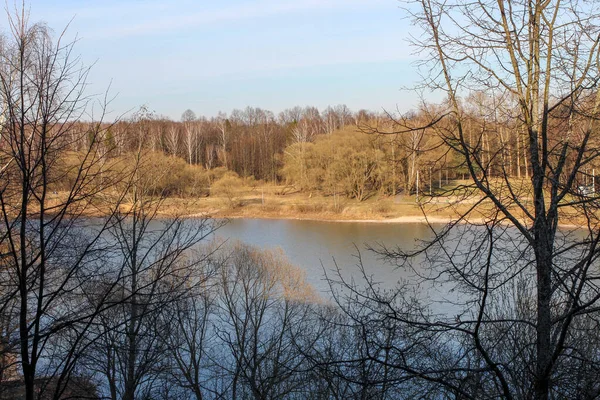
526	291
172	139
191	133
153	268
222	123
47	254
187	337
73	285
264	304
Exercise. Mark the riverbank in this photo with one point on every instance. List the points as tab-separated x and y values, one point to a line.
273	202
308	206
260	204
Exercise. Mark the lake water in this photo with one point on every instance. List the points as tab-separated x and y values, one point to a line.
317	246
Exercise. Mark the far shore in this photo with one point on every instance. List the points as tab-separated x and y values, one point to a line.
346	217
406	219
333	218
269	203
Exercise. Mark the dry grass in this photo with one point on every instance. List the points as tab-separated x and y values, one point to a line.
270	201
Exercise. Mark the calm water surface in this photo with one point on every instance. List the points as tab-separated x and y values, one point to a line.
317	246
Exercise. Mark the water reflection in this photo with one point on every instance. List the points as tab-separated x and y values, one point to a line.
314	245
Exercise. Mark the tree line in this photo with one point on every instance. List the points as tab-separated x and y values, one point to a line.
249	142
336	152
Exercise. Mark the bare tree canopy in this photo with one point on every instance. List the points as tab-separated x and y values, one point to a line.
63	274
514	73
188	116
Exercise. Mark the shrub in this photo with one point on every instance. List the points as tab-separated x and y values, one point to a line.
230	185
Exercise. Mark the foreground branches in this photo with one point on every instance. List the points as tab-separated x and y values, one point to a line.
525	296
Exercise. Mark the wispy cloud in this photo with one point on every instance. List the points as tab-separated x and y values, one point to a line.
157	19
228	53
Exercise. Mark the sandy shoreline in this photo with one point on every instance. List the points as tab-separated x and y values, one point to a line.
406	219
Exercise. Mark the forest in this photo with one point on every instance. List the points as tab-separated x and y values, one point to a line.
333	152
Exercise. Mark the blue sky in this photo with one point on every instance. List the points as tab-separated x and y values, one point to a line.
213	56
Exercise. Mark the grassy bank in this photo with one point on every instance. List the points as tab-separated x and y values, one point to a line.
280	202
269	201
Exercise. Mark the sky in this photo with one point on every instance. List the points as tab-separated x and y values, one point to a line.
211	56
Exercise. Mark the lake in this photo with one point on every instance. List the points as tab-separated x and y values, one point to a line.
317	246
